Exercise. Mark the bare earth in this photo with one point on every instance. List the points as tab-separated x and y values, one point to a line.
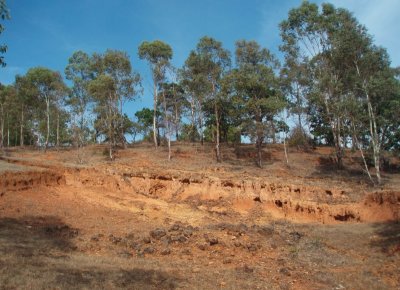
142	222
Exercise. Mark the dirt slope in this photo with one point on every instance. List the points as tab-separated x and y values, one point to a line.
144	223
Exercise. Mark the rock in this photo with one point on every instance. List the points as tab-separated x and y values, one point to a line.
175	227
213	241
295	236
202	247
166	251
95	238
227	261
186	252
158	233
146	240
114	240
182	239
237	244
130	236
166	240
188	232
178	238
149	250
252	247
134	245
247	269
284	271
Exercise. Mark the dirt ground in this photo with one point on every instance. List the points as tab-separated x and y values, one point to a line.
141	222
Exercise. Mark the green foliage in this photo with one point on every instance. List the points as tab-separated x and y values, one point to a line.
255	90
158	54
145	121
300	139
189	133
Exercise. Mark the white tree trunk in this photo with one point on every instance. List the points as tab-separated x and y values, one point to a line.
48	122
58	129
155	116
22	127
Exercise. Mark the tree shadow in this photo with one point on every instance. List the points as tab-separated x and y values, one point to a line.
40	253
71	278
388	237
327	167
30	236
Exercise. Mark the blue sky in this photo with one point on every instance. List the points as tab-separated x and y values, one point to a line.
47	32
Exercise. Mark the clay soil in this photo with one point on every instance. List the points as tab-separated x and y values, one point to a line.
141	222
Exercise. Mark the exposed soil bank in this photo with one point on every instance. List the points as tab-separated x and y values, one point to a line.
13	181
299	204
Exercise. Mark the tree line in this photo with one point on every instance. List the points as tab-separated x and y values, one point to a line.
336	84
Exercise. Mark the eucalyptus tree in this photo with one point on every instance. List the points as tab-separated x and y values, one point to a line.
351	82
213	63
7	100
80	72
172	100
27	103
10	115
102	89
309	39
295	84
158	55
176	102
114	82
256	91
127	82
48	87
113	66
194	85
145	120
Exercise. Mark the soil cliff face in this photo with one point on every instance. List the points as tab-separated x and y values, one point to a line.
297	203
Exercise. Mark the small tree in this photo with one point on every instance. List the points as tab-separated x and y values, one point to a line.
213	63
158	54
256	90
103	91
47	85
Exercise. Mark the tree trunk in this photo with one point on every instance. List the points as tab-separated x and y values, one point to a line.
167	126
48	123
362	154
177	125
110	132
273	131
375	141
201	124
155	116
8	131
21	138
2	127
260	137
217	149
376	144
335	128
285	148
122	127
58	130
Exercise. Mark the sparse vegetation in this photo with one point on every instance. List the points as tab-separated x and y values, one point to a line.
249	172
